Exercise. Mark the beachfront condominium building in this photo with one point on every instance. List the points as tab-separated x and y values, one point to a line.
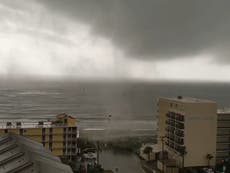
187	131
58	135
223	135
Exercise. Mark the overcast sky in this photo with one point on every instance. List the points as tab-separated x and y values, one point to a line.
116	39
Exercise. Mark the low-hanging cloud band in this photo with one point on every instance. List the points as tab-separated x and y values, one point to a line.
116	39
155	29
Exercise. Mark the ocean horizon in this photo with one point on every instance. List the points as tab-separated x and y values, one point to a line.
109	109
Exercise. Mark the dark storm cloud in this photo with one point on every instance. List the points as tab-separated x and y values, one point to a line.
155	28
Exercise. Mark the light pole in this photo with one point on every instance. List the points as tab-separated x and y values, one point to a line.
209	157
183	153
98	153
162	150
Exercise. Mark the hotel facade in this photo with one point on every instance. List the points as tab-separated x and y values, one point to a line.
58	135
187	132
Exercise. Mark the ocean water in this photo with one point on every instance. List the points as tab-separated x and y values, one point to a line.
103	109
121	163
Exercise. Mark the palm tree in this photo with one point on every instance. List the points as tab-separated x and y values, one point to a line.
183	153
148	150
209	157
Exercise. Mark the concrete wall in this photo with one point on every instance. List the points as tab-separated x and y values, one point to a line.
163	107
200	133
200	126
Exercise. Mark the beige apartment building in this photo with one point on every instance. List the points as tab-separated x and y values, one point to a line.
59	135
187	130
223	135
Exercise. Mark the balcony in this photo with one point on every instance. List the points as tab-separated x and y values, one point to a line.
171	115
167	129
180	126
170	129
180	117
223	139
171	133
171	145
168	115
179	141
170	122
222	146
167	143
180	149
179	133
223	124
171	137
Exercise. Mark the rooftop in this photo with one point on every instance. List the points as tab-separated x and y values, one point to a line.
14	124
34	123
223	111
21	155
188	99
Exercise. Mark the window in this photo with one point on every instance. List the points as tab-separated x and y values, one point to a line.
21	131
50	145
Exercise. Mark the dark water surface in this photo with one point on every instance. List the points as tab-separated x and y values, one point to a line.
121	162
132	105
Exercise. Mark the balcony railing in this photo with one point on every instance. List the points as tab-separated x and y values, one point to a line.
179	141
167	143
168	115
170	129
180	125
180	117
179	133
171	137
171	145
170	122
171	115
180	149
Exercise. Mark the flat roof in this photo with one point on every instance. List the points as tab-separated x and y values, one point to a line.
188	99
46	123
223	111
